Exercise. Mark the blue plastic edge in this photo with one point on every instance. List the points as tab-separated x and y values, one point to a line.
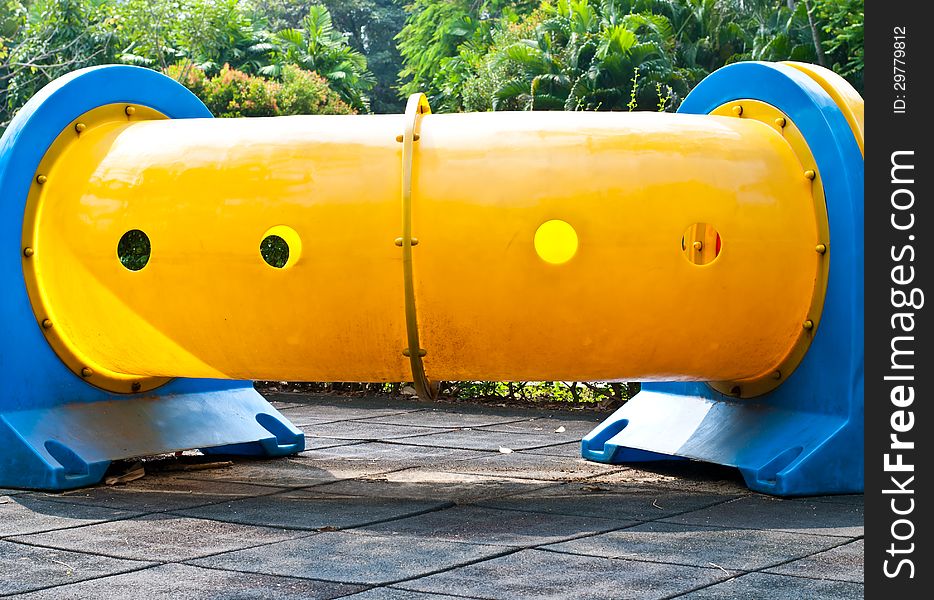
41	397
806	437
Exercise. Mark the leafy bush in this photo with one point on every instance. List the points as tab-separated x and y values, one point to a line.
233	93
843	26
318	47
574	55
50	39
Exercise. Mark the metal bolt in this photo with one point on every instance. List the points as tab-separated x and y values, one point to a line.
414	241
86	372
41	179
399	241
821	248
46	324
129	110
777	375
27	251
421	352
136	386
79	127
780	122
735	390
698	246
399	138
416	137
809	174
738	110
809	324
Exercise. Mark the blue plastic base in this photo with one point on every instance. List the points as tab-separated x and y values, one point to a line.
779	452
70	445
56	431
806	436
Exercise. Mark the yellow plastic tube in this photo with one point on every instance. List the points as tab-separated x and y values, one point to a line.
577	246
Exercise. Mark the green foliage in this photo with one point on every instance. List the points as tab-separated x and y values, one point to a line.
208	33
780	32
53	38
319	47
134	249
370	27
275	251
843	26
232	93
579	392
443	40
465	54
582	55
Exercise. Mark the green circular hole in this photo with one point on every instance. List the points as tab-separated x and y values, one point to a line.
134	249
275	251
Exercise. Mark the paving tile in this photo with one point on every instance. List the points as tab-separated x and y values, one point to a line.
611	501
686	475
483	439
383	457
843	563
448	418
158	493
391	593
24	568
569	449
158	537
548	575
281	405
309	468
559	427
353	558
172	582
323	443
522	465
311	510
365	430
855	499
27	513
796	515
330	409
477	525
777	587
734	549
432	484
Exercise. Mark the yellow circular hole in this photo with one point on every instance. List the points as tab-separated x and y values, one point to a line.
280	247
556	242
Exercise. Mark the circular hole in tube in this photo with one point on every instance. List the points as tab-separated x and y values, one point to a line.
134	249
275	251
556	241
701	244
280	247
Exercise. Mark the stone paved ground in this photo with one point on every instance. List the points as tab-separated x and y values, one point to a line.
399	500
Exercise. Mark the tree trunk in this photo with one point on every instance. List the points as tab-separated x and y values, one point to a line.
815	35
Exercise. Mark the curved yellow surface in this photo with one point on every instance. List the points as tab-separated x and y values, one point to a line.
626	304
846	97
